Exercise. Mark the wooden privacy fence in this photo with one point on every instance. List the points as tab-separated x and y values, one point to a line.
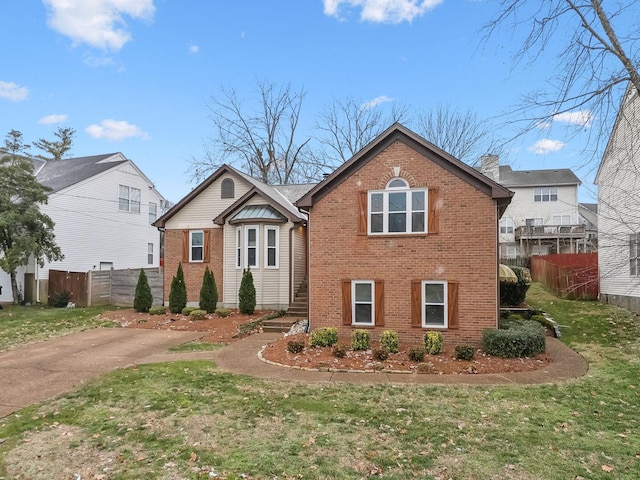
105	287
569	275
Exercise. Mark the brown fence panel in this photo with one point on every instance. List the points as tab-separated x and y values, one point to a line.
100	287
573	276
72	282
118	287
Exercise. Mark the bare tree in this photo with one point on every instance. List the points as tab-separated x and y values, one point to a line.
56	149
346	126
460	133
262	140
598	56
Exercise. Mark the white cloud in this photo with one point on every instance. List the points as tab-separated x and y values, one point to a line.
544	146
194	48
579	117
382	11
13	91
98	23
376	101
110	129
54	118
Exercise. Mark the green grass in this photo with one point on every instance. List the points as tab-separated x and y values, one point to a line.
20	325
197	347
187	419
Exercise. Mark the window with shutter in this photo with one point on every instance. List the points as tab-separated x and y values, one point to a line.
363	302
434	304
396	210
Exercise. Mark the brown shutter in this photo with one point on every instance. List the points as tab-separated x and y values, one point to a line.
185	246
206	253
362	213
416	303
452	304
346	302
379	302
434	211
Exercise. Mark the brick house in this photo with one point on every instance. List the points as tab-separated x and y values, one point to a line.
403	236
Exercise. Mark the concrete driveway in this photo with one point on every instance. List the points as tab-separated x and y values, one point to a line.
43	370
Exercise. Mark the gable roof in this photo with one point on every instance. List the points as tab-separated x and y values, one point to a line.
537	178
398	132
61	174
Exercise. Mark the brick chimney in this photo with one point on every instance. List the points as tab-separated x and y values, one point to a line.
490	166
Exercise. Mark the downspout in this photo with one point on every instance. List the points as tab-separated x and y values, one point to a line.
37	279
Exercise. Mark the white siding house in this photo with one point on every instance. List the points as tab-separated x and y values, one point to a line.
618	181
103	207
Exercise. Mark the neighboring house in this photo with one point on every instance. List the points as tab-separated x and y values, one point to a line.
403	236
103	207
231	222
618	181
589	218
543	216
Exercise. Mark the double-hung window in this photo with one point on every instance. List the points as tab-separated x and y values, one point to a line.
398	209
634	254
271	246
506	225
196	246
150	253
128	199
251	246
434	304
545	194
561	219
363	306
239	247
153	212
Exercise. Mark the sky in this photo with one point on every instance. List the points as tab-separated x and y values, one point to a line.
137	76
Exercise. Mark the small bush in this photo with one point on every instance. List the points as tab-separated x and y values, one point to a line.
340	350
381	353
61	299
360	340
247	293
198	315
186	311
433	342
157	311
143	299
295	346
324	337
208	292
417	353
223	312
178	292
424	367
465	352
524	340
389	339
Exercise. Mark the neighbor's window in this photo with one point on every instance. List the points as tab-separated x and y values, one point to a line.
634	254
196	246
150	253
251	248
561	219
227	188
153	212
506	225
398	209
545	194
128	199
434	304
362	293
271	246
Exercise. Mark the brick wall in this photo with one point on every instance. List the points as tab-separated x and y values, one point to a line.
464	250
193	272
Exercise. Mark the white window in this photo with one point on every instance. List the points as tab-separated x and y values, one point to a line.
271	246
362	294
545	194
196	246
128	199
534	222
239	247
506	225
634	254
561	219
150	253
153	212
512	251
434	304
251	247
398	209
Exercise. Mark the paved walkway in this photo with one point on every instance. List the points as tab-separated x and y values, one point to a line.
46	369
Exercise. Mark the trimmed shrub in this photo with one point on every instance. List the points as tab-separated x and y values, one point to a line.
526	339
198	315
143	299
222	312
295	346
360	340
416	353
389	339
381	353
61	299
340	350
186	311
465	352
424	367
515	293
208	292
157	310
247	293
178	292
323	337
433	342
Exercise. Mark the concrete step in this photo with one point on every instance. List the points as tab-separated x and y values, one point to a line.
282	324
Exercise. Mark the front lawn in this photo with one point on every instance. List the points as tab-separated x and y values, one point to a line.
20	325
188	420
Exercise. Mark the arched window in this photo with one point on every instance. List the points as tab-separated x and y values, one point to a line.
397	183
398	209
227	188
